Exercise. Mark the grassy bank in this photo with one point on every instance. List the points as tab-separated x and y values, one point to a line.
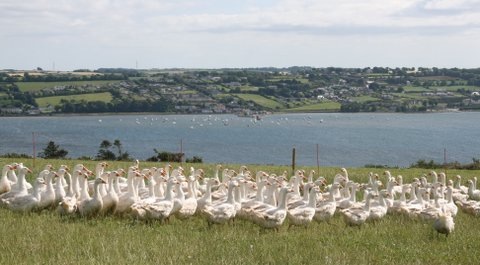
46	238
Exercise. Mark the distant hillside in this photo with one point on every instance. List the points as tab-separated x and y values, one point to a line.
241	91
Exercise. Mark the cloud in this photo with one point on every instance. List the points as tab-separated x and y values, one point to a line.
184	30
451	5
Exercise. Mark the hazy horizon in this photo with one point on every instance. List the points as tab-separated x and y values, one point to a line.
208	34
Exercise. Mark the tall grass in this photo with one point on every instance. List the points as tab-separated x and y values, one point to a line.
46	238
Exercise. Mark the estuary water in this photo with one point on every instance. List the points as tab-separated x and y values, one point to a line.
346	140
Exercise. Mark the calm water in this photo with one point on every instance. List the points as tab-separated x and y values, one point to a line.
344	139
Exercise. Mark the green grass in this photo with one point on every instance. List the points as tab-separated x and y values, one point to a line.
299	79
260	100
418	96
35	86
53	101
46	238
364	99
437	78
410	89
323	106
249	88
455	88
187	92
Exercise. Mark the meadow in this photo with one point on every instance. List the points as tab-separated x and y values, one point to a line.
260	100
46	238
322	106
55	100
36	86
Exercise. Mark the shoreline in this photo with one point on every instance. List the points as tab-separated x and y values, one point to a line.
271	113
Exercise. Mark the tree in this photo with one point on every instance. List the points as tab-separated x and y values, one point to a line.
53	151
104	153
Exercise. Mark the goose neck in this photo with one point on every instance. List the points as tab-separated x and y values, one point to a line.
180	193
169	191
312	198
403	198
230	198
367	203
353	193
96	191
259	196
283	200
381	201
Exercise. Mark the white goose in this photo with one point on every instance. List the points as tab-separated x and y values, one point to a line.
444	223
68	205
110	201
222	212
246	206
47	198
458	185
473	193
5	185
12	176
469	207
189	205
128	198
83	183
29	202
399	205
59	187
21	184
272	218
379	211
450	206
21	188
325	210
207	197
350	199
342	177
75	178
178	199
93	206
161	209
357	216
303	215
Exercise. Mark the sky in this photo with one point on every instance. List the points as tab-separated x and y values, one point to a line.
90	34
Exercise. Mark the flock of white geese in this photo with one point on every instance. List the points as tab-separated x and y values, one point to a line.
265	199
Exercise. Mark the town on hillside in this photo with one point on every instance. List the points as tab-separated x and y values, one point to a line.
248	92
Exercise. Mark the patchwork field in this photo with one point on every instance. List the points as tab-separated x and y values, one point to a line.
323	106
260	100
35	86
53	101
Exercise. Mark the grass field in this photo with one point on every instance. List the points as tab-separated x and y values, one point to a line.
410	89
299	79
53	101
323	106
35	86
249	88
46	238
364	99
260	100
418	89
455	88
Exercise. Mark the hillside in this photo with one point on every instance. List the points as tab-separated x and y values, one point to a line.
240	91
